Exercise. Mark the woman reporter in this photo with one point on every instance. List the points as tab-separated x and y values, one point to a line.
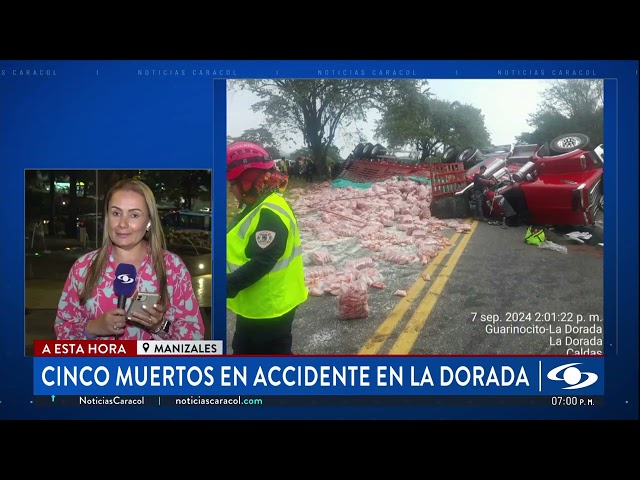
133	234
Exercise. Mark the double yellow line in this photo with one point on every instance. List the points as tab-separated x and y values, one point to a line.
412	330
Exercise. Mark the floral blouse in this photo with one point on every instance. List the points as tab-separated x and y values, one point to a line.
183	310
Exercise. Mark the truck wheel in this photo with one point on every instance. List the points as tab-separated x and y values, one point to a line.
450	154
378	151
569	142
366	152
469	157
357	152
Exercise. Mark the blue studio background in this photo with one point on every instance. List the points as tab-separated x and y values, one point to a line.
106	115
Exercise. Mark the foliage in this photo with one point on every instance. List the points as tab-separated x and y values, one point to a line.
167	185
317	108
177	185
568	106
402	122
333	154
418	121
411	117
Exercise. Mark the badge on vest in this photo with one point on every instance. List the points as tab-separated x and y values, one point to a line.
264	238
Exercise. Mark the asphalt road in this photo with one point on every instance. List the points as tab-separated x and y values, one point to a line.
489	293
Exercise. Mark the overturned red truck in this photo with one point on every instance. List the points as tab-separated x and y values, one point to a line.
557	183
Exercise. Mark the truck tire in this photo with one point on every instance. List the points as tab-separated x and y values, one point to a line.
450	154
569	142
469	157
366	151
378	151
357	152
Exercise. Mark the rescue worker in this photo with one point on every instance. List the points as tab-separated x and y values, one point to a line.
283	166
265	275
309	169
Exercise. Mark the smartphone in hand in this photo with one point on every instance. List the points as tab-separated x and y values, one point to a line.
140	299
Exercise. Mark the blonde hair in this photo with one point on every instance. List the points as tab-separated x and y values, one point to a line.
155	237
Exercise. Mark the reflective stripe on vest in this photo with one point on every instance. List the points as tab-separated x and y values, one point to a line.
244	227
280	264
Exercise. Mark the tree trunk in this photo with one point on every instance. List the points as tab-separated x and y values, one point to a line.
321	162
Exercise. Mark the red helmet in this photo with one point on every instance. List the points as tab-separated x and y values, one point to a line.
244	155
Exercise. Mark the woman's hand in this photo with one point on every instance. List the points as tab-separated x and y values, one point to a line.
108	324
151	319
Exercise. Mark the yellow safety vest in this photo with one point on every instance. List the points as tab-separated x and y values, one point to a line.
534	237
283	288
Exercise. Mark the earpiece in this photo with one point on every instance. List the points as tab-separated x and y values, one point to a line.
148	226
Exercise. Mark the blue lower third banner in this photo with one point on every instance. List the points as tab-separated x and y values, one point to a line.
353	375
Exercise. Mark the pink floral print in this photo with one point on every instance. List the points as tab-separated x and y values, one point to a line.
182	310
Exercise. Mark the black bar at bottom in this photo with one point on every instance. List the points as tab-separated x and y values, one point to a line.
322	401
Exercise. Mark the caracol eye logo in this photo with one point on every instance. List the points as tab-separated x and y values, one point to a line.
124	278
572	376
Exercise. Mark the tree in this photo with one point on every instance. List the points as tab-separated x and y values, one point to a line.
547	125
318	108
467	126
404	120
333	155
429	125
176	186
301	152
568	106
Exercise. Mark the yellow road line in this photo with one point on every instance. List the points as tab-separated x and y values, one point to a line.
414	326
385	329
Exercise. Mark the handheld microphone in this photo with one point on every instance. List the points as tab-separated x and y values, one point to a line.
125	283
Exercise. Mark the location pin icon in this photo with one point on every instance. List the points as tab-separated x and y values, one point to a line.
145	347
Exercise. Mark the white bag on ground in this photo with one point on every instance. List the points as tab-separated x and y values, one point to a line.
549	245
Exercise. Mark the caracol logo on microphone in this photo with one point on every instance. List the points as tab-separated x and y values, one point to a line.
572	376
124	278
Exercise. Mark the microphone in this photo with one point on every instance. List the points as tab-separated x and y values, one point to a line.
125	283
